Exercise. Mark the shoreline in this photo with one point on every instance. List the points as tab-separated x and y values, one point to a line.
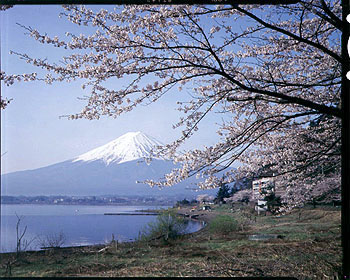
185	211
199	215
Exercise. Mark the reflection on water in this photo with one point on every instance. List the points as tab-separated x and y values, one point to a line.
87	226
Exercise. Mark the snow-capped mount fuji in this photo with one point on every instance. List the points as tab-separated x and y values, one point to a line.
128	147
112	169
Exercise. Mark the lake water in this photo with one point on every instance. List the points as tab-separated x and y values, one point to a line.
80	224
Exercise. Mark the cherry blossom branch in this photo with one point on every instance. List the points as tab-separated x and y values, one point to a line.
295	37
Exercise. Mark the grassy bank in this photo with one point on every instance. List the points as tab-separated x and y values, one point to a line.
307	247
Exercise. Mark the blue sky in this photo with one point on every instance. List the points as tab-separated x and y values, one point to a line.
33	135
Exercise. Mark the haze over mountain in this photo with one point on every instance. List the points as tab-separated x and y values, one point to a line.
112	169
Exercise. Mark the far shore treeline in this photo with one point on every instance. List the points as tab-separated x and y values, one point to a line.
89	200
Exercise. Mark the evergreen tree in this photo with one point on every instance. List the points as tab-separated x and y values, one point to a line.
223	192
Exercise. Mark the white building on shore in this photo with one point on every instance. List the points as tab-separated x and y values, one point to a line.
262	188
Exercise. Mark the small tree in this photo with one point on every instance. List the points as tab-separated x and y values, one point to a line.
242	196
193	201
233	191
22	244
168	226
53	240
272	201
223	192
182	202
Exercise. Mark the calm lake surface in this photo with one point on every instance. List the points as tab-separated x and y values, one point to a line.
80	224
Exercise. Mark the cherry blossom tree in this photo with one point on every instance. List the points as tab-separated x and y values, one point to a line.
241	196
5	7
327	191
4	101
273	72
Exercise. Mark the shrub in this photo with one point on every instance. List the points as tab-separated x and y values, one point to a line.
53	240
223	224
168	225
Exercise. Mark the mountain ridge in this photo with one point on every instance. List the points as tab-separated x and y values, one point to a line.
113	168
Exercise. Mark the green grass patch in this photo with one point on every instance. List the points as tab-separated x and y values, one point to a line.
223	224
222	208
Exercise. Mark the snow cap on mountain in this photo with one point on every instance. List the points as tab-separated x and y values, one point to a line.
128	147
